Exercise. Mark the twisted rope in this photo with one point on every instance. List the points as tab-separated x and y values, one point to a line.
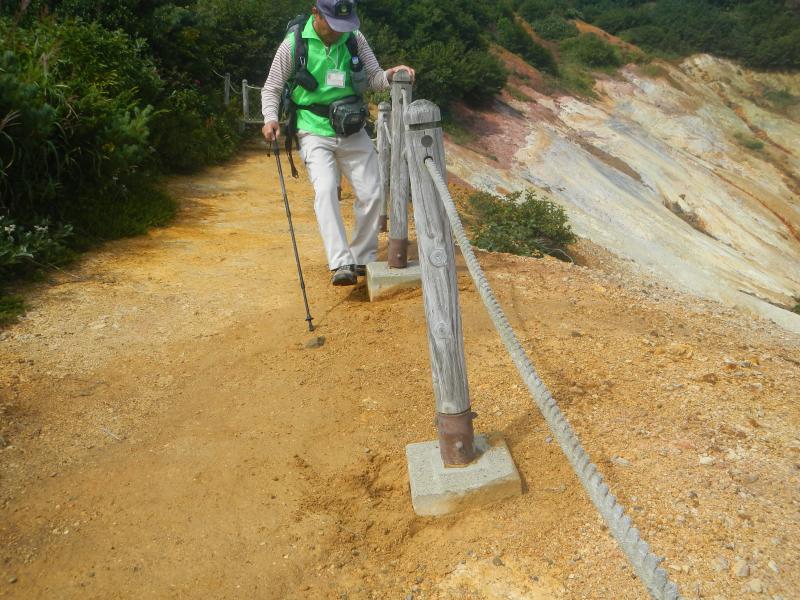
645	563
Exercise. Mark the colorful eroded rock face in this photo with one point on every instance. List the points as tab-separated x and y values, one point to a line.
693	174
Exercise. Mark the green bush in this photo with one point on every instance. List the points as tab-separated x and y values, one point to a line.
70	116
447	42
76	148
192	131
513	37
24	250
576	79
520	223
555	28
133	211
589	50
453	73
534	10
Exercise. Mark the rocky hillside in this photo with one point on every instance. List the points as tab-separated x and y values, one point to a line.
690	171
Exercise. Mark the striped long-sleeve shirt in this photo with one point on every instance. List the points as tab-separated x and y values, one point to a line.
283	64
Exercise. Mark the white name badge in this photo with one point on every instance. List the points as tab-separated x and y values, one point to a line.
335	78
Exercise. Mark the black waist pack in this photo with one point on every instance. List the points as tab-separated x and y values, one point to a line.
348	115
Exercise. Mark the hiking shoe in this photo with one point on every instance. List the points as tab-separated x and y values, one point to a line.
345	275
361	270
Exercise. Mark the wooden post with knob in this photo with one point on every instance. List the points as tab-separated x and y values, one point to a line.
384	158
398	216
425	141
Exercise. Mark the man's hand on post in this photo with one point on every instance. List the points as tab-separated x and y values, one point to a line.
271	131
390	72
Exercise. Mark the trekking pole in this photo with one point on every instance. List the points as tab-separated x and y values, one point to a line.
309	318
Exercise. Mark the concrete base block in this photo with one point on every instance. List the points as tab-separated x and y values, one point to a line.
437	491
382	281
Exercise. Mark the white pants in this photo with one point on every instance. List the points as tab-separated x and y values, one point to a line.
355	157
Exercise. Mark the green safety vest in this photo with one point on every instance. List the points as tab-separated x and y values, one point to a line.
320	60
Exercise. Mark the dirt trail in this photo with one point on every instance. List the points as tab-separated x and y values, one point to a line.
168	434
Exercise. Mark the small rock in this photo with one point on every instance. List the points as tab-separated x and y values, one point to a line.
755	586
707	460
741	568
498	562
756	387
709	378
773	566
548	440
3	442
409	596
721	564
560	489
622	462
12	580
317	342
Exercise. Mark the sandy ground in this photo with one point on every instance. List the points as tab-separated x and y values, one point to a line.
167	433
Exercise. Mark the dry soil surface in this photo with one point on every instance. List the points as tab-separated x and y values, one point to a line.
169	432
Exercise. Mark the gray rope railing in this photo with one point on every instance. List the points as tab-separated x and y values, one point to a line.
644	562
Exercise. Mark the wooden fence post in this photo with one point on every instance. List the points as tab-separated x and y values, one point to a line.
227	95
245	100
398	216
245	107
425	141
384	158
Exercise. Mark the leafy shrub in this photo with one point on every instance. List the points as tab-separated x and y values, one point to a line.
555	28
446	42
513	36
534	10
576	79
135	209
24	250
520	223
453	72
573	13
71	117
192	131
588	49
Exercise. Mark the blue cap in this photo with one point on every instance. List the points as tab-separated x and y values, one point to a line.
340	14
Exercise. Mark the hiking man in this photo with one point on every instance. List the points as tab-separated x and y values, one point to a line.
329	64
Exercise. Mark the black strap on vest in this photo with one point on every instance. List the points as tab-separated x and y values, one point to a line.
301	76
